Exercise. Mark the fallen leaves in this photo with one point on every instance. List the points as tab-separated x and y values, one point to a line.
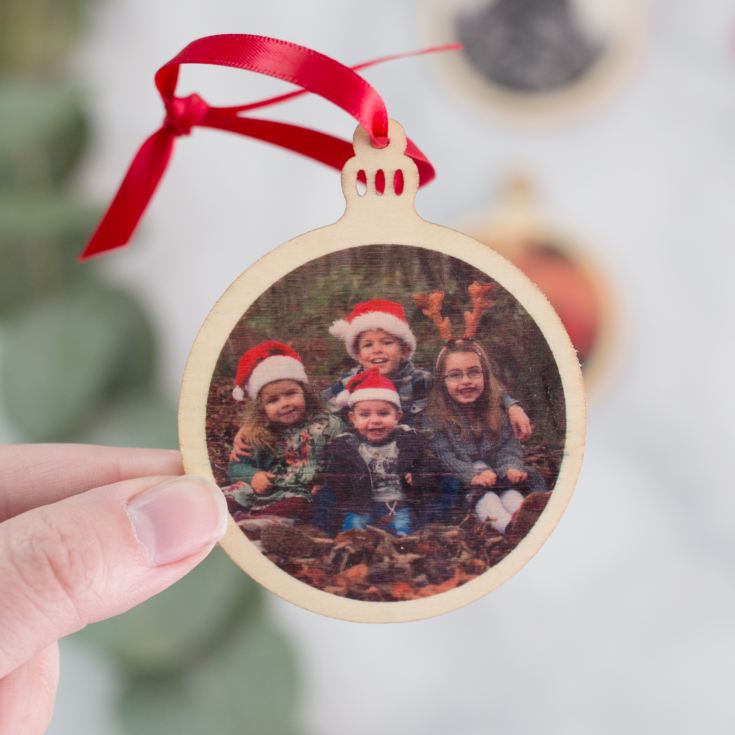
373	565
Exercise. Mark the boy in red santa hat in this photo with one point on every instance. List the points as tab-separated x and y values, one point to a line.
382	473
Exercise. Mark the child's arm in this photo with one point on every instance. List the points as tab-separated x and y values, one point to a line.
335	397
522	426
245	469
240	446
508	454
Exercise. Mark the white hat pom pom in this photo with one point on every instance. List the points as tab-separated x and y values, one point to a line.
238	393
342	400
340	328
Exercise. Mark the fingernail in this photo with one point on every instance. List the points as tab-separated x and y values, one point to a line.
177	518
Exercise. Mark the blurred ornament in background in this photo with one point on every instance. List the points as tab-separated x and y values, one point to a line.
563	269
539	59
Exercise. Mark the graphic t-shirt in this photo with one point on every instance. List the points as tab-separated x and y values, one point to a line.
382	463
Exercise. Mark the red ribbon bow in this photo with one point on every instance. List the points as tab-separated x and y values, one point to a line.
310	70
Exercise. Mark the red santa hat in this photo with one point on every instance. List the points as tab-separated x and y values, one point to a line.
370	385
266	363
375	314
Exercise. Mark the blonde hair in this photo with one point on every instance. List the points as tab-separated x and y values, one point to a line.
441	409
259	431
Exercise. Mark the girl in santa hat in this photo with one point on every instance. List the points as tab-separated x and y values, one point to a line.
284	432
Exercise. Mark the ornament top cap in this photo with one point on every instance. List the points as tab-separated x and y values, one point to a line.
375	176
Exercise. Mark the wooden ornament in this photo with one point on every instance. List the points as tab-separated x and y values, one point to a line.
382	249
539	61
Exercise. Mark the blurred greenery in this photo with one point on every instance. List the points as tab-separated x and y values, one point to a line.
43	134
79	364
221	694
183	625
39	237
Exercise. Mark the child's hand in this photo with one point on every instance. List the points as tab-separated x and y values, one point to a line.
520	422
240	448
408	477
486	478
515	475
262	481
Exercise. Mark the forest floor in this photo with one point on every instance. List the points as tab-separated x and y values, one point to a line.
375	565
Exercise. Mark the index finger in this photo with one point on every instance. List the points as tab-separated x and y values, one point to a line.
32	475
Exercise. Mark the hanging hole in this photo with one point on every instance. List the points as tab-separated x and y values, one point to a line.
361	183
398	182
380	181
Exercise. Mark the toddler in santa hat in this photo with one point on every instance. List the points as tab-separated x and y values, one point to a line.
382	473
284	432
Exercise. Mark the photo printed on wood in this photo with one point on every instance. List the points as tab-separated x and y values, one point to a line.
386	422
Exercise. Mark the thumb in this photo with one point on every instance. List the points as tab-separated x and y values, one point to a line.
97	554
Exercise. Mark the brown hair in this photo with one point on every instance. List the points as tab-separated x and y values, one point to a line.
441	409
259	432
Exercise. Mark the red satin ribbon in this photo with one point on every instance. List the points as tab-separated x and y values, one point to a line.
308	69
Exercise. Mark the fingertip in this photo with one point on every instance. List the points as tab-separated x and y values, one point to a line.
178	518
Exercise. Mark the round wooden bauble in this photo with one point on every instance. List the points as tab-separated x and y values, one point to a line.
538	61
380	221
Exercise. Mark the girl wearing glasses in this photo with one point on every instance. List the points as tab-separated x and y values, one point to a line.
473	438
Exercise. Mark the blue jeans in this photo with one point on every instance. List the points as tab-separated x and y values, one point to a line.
400	522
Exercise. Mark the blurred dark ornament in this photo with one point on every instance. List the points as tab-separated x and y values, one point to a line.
528	45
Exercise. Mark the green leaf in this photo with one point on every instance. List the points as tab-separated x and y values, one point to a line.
40	238
35	35
183	623
43	134
64	356
247	686
144	419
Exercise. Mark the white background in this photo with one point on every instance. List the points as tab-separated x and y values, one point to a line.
624	621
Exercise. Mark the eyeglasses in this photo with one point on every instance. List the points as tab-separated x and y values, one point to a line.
455	376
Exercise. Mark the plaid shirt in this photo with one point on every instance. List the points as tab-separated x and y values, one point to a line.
412	383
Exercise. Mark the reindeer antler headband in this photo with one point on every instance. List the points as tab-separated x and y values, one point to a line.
480	300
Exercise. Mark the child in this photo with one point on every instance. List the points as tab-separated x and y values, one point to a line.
284	432
377	334
380	473
473	438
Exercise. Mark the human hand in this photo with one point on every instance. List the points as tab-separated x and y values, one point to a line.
315	489
408	477
262	481
522	427
515	475
86	533
486	478
240	447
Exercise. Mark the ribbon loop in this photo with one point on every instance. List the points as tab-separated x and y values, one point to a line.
183	113
311	71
